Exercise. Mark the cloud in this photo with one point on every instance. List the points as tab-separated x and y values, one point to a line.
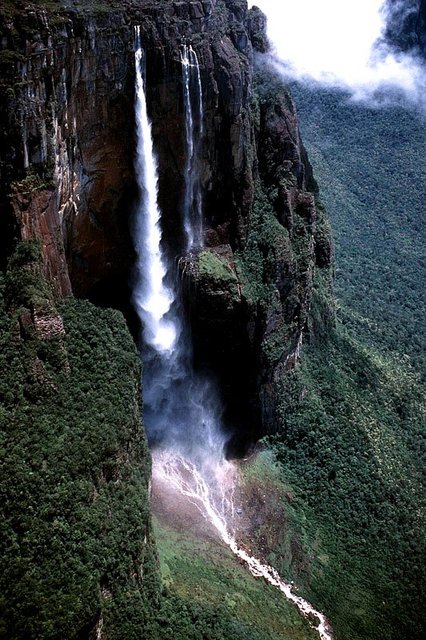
342	43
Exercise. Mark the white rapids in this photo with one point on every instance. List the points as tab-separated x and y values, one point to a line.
215	500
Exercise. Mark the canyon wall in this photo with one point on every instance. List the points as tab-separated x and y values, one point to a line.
262	283
406	26
69	136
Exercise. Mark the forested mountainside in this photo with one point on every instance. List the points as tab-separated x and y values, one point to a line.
68	189
362	458
334	500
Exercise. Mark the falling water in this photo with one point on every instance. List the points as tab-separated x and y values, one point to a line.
181	408
152	298
182	413
193	109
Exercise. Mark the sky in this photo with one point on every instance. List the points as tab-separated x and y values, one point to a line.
333	42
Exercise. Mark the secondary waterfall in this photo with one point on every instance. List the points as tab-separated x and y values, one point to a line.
193	110
182	413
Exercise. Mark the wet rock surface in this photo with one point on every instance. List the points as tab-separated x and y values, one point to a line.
67	175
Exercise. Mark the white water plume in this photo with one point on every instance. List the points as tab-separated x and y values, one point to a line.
181	408
193	109
152	298
182	413
211	491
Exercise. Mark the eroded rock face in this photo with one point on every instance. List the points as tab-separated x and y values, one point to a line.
69	90
220	319
68	120
250	300
37	216
68	98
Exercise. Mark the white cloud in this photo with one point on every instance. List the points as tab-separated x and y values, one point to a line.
334	42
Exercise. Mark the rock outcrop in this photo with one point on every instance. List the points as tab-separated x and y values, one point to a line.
69	141
261	284
406	26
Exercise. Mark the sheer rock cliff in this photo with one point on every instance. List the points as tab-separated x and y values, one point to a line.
69	144
260	286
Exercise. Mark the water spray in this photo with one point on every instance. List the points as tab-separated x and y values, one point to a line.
182	412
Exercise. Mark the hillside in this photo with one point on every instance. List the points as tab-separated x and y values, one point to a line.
319	402
352	443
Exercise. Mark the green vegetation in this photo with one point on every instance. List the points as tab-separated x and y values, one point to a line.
267	243
76	543
371	168
8	59
36	179
350	447
211	265
267	254
77	548
287	237
11	7
202	576
57	8
351	424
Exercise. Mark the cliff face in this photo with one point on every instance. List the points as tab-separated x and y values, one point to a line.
68	133
262	283
69	138
406	26
68	141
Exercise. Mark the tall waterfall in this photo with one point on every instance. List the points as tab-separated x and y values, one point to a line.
182	414
152	298
193	109
181	408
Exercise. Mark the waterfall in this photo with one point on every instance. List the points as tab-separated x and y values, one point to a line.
182	412
152	298
181	408
193	110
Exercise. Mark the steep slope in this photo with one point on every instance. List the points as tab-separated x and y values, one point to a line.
67	184
77	551
376	200
351	441
344	421
69	144
406	26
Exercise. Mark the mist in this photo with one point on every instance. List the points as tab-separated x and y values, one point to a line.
343	44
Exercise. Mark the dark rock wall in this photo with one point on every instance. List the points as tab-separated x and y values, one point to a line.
69	97
68	80
68	130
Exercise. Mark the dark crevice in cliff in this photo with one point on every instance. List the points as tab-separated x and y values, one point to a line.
223	349
8	234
